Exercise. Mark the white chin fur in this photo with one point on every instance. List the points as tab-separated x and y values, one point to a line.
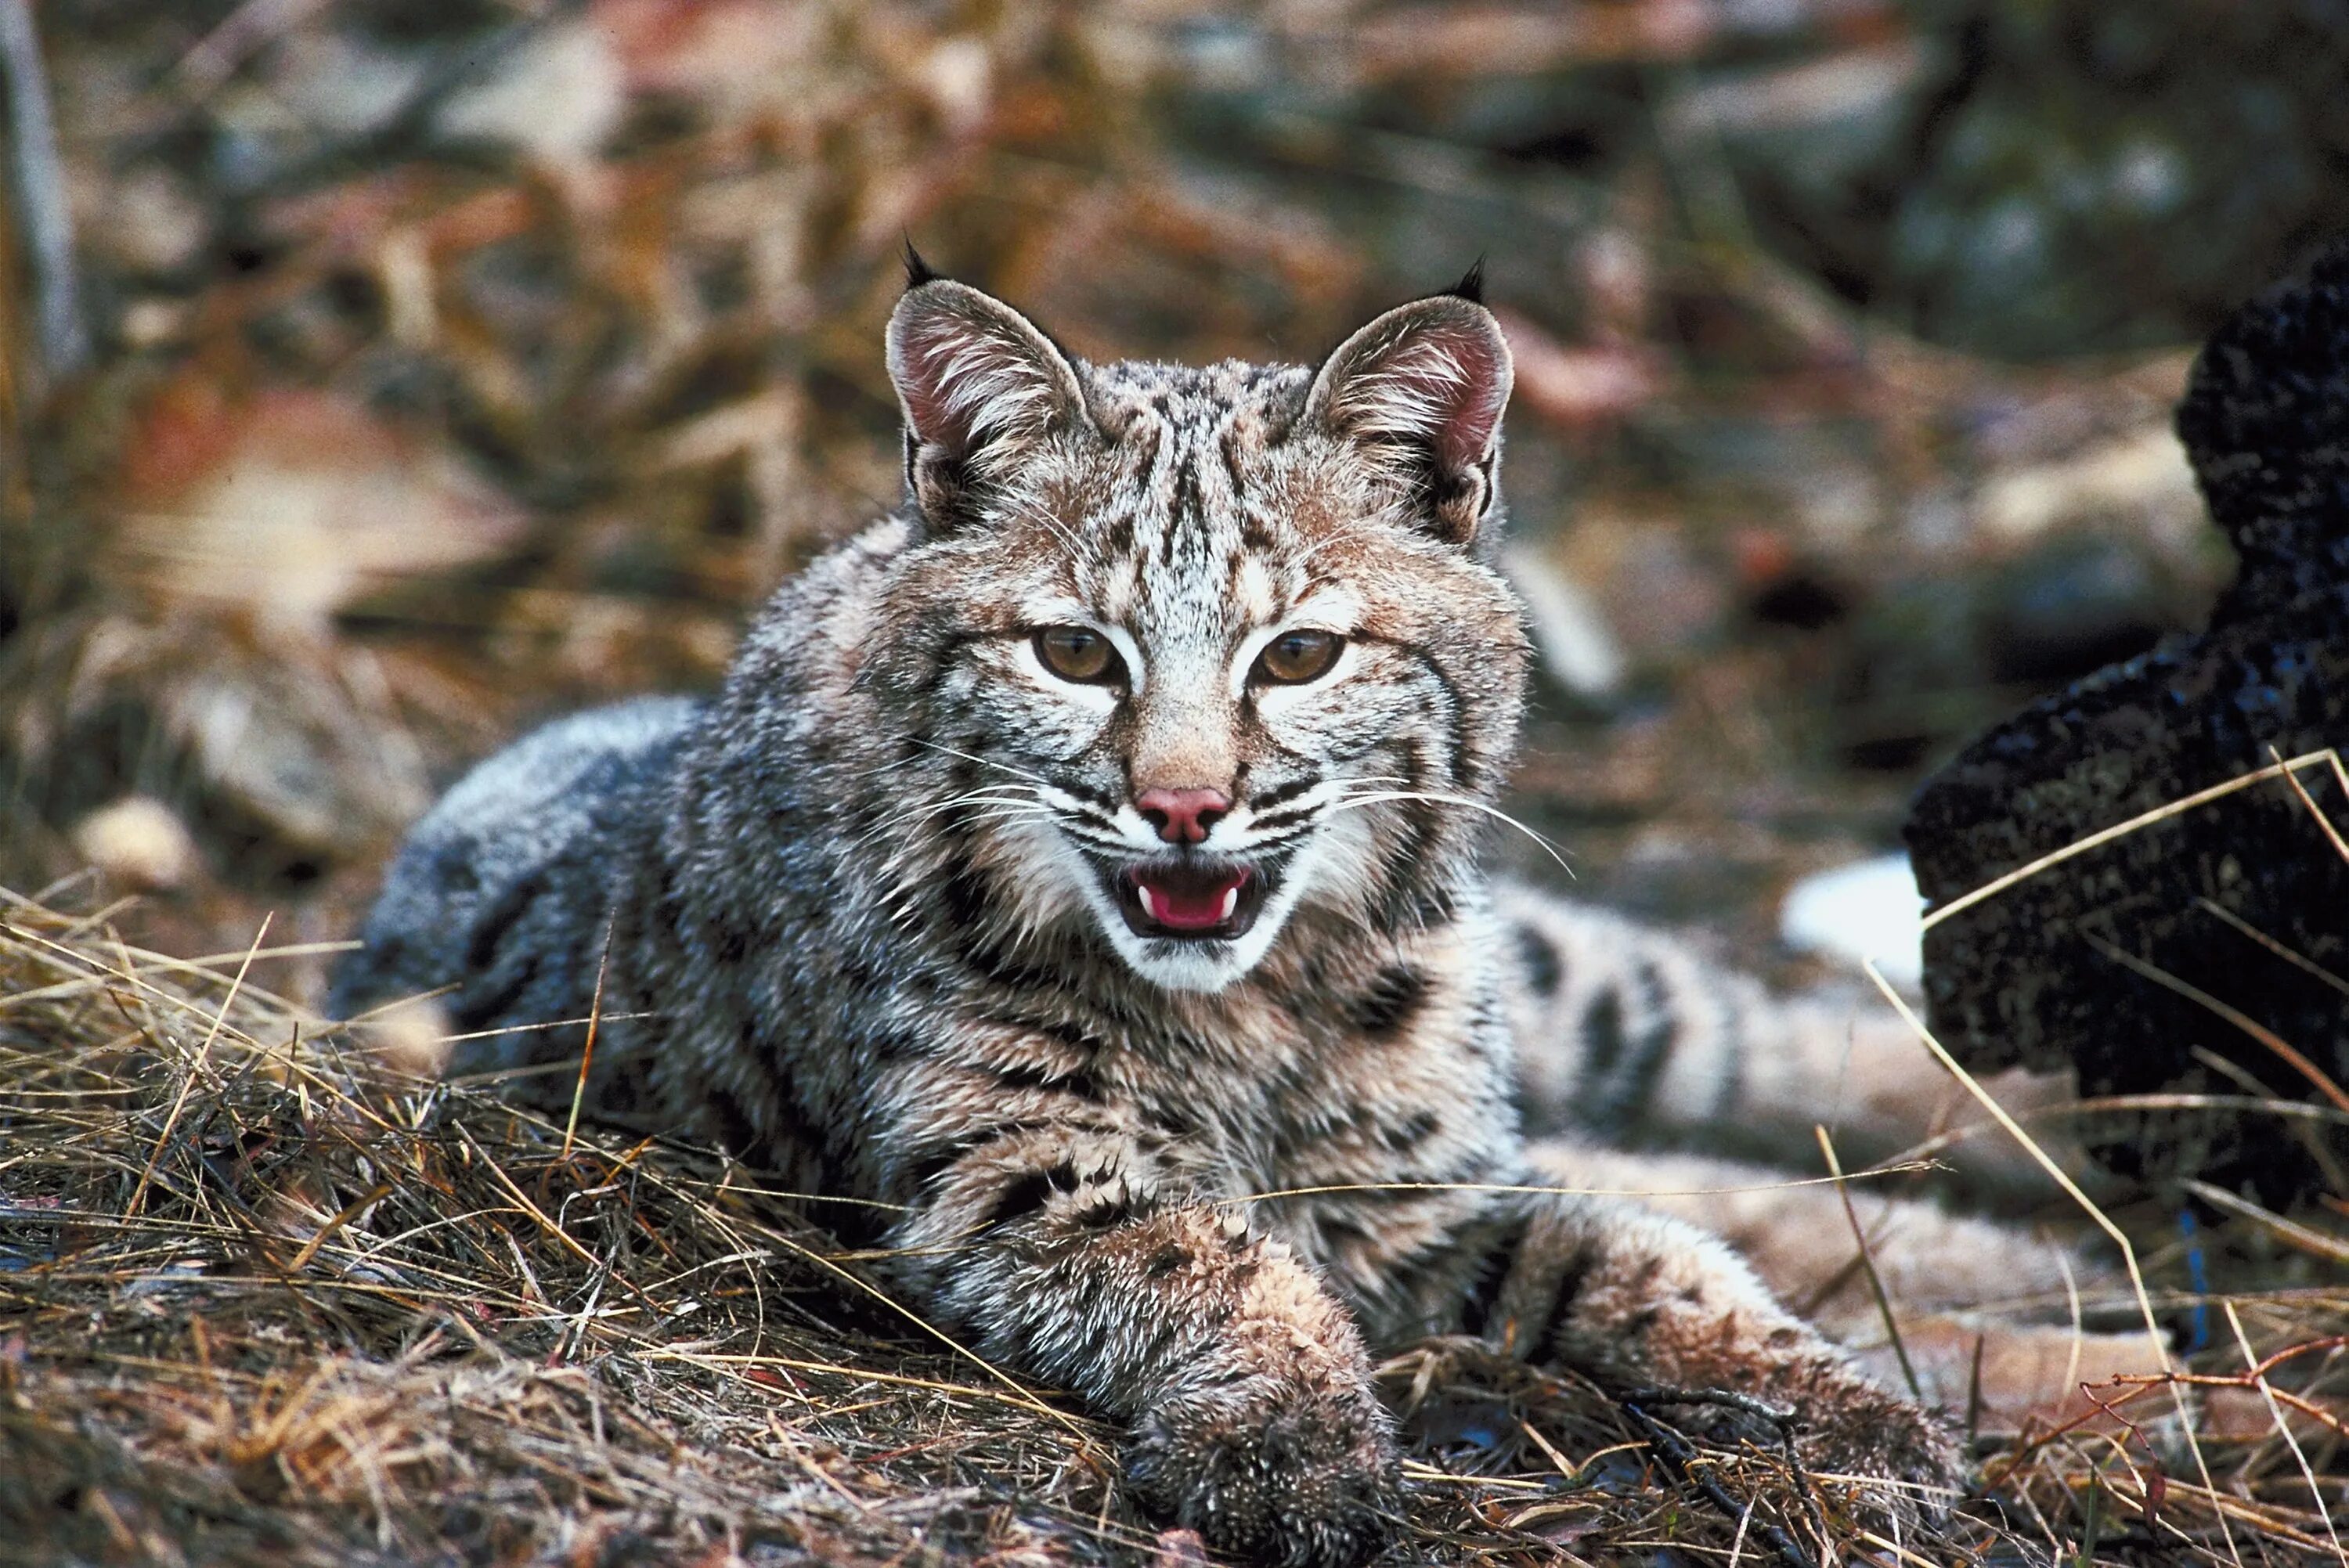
1192	965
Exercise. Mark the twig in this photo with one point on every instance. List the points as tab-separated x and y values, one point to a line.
195	1068
2291	1056
1997	885
203	69
2297	961
41	193
2283	1427
2056	1174
2322	821
1679	1458
458	68
1867	1263
587	1055
2305	1238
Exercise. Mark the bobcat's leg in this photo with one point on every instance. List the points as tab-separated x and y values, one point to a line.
1635	1298
1956	1283
1070	1253
1798	1238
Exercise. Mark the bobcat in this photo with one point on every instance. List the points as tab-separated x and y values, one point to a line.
1081	862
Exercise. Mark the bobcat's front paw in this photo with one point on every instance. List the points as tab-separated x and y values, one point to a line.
1272	1471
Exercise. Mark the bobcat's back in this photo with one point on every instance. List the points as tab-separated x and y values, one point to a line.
496	904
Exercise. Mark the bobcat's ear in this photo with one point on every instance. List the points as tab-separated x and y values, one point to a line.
979	386
1427	380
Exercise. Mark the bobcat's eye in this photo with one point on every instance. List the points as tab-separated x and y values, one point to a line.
1295	658
1078	653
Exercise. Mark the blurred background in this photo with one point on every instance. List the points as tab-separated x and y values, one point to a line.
415	372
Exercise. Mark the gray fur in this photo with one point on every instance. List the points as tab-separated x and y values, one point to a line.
866	921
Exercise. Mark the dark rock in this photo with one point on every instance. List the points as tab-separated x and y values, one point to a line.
2059	970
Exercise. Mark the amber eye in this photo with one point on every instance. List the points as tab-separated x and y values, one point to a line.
1078	653
1293	658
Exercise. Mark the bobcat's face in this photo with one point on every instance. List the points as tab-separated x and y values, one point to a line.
1191	648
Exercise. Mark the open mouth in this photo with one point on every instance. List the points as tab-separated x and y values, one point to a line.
1189	901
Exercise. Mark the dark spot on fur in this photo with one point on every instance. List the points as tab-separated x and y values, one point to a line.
500	917
453	865
1455	716
736	1131
1282	794
479	1009
1653	1049
1542	971
1731	1095
924	1172
1391	1002
1104	1216
1415	1129
992	962
1164	1262
1060	1034
963	900
1433	909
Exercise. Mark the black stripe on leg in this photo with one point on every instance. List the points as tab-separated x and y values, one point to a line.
1601	1033
1573	1273
1651	1050
1492	1273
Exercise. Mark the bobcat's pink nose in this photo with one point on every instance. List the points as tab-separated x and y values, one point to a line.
1183	816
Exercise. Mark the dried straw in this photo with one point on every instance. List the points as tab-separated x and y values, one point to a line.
359	1314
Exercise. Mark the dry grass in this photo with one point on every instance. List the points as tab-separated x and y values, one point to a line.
268	1297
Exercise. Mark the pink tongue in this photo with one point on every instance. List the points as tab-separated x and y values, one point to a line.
1191	910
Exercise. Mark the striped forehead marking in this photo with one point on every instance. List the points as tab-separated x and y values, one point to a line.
1182	556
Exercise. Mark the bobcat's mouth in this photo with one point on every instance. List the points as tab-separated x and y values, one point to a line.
1189	901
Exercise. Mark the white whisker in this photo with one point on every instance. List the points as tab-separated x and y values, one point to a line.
975	798
987	762
1552	851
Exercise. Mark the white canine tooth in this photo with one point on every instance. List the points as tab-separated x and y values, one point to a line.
1231	903
1149	904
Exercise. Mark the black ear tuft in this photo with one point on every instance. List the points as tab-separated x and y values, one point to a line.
1422	388
1471	286
917	271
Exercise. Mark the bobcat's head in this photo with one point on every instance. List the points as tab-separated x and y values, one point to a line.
1212	646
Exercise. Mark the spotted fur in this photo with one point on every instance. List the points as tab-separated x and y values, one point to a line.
869	917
